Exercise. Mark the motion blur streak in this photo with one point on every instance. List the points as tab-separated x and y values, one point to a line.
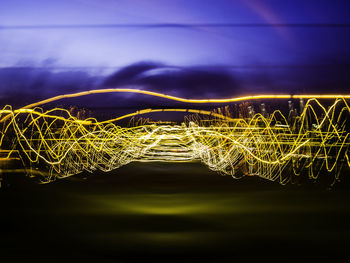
156	94
54	144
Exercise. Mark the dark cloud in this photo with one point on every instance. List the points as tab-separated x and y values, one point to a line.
190	81
22	85
129	74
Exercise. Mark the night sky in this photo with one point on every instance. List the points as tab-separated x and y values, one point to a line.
54	47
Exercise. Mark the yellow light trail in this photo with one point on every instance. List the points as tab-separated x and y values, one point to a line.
54	144
174	98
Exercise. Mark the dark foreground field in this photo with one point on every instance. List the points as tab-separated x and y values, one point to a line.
173	212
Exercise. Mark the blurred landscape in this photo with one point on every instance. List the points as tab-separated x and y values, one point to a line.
173	212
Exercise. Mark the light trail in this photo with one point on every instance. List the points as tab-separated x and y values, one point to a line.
200	101
54	144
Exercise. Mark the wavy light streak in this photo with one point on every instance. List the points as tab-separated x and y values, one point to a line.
54	144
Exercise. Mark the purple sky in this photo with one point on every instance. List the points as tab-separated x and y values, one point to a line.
235	59
175	46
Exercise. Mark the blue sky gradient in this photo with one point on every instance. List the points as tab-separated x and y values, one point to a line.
309	54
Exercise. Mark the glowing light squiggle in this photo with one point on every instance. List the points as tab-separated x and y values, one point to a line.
54	144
